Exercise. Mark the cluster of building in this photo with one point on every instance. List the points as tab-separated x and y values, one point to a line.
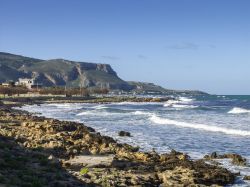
28	83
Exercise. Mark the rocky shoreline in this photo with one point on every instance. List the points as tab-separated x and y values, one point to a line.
37	151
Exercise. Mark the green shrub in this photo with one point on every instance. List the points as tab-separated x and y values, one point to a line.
84	171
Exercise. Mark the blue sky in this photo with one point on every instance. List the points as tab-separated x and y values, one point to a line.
179	44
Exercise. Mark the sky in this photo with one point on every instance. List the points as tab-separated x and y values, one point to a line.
178	44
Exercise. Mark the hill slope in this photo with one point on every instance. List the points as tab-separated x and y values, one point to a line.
60	72
148	88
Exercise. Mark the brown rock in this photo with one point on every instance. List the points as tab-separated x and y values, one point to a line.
246	177
237	159
124	133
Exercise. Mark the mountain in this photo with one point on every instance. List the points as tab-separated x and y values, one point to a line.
144	87
60	72
147	88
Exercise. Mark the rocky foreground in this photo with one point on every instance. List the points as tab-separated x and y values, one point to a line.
37	151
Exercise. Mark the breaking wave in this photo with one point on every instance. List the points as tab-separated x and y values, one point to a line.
204	127
185	99
99	107
141	113
85	113
137	103
170	103
237	110
184	106
180	103
64	105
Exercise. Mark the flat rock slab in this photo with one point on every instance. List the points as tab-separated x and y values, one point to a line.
91	160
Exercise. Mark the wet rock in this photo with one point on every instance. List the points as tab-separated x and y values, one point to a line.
246	177
236	158
53	160
213	155
124	133
72	146
179	176
122	163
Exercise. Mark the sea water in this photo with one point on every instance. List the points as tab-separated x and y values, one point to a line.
196	125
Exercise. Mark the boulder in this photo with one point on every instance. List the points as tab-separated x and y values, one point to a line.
124	133
213	155
236	158
178	177
246	177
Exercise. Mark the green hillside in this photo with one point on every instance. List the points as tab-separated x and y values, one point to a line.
60	72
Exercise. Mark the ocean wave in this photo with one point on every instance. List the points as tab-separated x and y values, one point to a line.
211	128
238	110
183	100
170	103
186	99
181	103
99	107
184	106
66	105
97	114
137	103
85	113
141	113
61	105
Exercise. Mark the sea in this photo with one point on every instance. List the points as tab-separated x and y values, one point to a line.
196	125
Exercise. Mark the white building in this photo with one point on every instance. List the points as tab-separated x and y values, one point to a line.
29	83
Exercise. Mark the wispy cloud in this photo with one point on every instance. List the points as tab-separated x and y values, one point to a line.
142	57
183	46
107	57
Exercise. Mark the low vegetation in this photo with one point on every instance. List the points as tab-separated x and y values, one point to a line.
18	90
84	171
13	90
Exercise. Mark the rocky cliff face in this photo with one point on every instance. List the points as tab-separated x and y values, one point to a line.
60	72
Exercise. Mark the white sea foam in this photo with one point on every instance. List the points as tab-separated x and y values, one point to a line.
170	103
181	102
137	103
185	99
61	105
141	113
66	105
85	113
184	106
210	128
99	107
237	110
94	113
221	96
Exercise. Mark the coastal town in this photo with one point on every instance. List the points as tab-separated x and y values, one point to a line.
24	82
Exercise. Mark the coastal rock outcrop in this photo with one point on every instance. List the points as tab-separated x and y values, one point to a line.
246	177
124	133
73	147
236	158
